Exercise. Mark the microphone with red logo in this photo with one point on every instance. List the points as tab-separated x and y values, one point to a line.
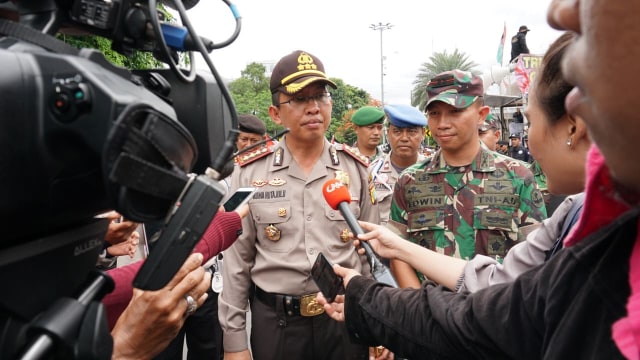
338	197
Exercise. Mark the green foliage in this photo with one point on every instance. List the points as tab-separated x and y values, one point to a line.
438	62
139	59
346	98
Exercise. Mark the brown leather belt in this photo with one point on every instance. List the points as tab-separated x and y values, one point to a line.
293	305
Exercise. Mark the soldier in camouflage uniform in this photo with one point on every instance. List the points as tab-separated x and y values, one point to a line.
490	132
465	199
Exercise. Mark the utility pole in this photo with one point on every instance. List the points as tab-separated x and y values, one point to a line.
381	27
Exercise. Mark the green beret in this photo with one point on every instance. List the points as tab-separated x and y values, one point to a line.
367	115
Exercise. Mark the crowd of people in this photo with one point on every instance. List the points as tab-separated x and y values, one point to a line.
486	268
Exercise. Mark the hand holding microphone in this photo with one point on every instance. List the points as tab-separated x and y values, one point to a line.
338	197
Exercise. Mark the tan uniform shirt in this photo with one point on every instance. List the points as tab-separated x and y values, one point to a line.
384	176
289	224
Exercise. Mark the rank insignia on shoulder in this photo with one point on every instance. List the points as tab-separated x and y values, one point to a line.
246	159
355	153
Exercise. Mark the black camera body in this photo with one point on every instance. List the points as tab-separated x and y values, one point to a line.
80	136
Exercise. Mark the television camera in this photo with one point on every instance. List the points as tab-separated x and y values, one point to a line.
81	136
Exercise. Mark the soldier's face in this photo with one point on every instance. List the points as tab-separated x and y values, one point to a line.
454	128
308	122
602	64
369	136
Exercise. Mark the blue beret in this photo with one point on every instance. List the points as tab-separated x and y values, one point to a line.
405	116
367	115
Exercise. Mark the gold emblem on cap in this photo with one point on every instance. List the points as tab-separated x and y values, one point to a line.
344	235
305	62
277	182
259	183
343	176
272	232
282	212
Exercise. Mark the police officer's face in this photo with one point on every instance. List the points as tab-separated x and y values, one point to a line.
246	139
602	64
308	121
455	128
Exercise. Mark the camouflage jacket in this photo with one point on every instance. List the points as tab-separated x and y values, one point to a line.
470	210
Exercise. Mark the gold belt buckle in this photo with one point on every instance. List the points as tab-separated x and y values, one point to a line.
309	306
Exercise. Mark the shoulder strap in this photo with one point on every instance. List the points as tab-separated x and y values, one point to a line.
572	217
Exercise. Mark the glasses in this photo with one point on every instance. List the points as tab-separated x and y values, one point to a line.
299	102
411	132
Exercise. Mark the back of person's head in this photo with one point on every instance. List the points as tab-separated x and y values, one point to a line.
552	88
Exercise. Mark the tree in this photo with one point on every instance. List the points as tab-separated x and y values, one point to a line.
438	62
251	94
346	98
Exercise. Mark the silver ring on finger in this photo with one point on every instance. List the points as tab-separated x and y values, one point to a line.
192	306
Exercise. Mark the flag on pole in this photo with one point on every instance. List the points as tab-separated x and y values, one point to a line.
501	47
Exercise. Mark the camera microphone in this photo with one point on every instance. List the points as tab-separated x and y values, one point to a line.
338	197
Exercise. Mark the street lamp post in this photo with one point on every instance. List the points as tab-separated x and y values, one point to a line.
381	27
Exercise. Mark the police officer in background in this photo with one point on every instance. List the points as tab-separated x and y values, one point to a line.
368	125
517	151
405	134
519	43
465	199
290	224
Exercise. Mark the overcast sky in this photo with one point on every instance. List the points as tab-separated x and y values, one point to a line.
339	33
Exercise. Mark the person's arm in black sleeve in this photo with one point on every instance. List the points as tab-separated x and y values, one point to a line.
434	323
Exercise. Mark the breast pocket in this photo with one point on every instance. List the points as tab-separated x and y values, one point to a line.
336	223
273	229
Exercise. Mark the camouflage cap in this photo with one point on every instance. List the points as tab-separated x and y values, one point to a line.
297	70
457	88
524	28
367	115
490	122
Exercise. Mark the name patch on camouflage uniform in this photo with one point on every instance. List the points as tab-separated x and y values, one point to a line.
495	199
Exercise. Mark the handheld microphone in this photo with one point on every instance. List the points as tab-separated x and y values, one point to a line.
338	197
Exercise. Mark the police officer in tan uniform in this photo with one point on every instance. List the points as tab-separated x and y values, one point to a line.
290	224
405	135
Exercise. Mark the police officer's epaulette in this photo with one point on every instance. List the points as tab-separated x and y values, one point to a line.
354	152
252	156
